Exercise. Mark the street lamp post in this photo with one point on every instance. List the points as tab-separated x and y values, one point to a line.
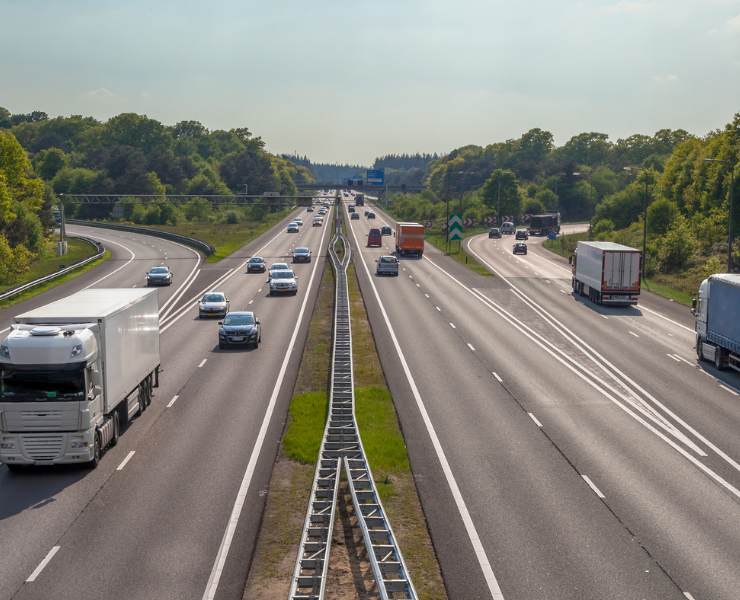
730	228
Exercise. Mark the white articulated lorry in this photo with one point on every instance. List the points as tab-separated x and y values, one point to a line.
606	272
74	372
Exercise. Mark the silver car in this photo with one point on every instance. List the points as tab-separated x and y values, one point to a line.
213	304
387	265
283	282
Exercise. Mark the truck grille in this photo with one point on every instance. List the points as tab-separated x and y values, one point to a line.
49	419
42	447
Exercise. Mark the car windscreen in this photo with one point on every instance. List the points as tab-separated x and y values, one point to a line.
282	275
214	298
159	270
387	259
279	267
239	320
256	259
42	384
300	251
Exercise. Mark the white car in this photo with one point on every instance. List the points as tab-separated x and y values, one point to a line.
213	304
283	282
298	220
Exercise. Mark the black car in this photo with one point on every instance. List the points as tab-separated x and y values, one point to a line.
385	230
371	215
256	264
521	234
354	216
159	276
350	209
241	328
520	248
494	233
301	254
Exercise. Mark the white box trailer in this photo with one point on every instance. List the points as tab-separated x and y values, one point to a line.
74	372
606	272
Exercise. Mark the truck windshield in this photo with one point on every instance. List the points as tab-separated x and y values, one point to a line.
41	385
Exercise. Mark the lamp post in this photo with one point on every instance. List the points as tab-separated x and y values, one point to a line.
730	232
644	220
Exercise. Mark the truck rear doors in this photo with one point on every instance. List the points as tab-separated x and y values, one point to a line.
621	271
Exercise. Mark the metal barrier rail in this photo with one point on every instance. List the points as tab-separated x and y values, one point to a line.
342	444
80	263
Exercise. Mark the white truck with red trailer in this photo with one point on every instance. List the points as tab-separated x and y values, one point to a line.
606	272
74	372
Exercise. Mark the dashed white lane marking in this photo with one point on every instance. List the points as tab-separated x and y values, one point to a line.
174	399
604	317
562	291
632	333
689	596
471	346
426	295
672	357
250	302
531	416
497	376
682	359
452	325
125	460
418	285
592	485
728	389
259	290
37	571
202	362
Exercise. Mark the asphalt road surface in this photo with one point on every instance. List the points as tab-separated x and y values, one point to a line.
561	449
173	510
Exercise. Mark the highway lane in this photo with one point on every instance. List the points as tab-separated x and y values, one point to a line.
653	490
47	508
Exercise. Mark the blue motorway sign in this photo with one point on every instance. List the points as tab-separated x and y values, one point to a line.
375	177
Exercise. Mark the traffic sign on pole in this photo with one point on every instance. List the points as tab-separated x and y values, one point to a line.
456	227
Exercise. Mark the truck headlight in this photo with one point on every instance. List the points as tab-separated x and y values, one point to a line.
78	444
7	444
4	351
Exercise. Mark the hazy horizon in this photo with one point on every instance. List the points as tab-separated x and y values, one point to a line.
347	83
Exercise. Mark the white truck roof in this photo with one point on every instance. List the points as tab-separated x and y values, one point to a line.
86	305
609	246
731	278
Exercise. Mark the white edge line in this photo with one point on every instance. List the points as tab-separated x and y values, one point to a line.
632	333
174	399
537	422
470	346
689	596
241	496
452	325
125	460
480	553
497	376
729	389
37	571
114	271
592	485
201	363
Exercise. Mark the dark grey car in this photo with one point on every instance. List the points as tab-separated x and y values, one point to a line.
239	328
159	276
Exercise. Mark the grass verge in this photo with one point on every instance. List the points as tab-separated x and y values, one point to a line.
565	245
386	452
656	286
457	251
34	291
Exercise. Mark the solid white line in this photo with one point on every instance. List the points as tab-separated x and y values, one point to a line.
223	551
4	330
452	325
125	460
497	376
202	362
185	284
591	484
114	271
174	399
535	419
727	389
471	346
632	333
641	307
37	571
480	553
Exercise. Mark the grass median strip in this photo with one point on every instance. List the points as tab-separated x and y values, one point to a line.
457	250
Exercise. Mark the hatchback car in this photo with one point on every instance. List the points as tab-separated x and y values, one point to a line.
387	265
213	304
309	209
283	282
350	209
385	230
371	215
374	239
301	254
354	216
241	328
159	276
494	233
507	227
298	221
520	248
256	264
292	228
521	234
318	221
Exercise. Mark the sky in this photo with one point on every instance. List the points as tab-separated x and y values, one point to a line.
349	80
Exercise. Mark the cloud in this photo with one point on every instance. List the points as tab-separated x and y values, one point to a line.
666	78
100	93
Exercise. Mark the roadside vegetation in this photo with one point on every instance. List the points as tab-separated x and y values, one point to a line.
438	239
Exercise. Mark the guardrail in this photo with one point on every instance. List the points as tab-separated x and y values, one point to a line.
342	445
27	286
204	247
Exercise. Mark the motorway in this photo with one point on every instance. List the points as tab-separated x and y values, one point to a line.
561	450
173	510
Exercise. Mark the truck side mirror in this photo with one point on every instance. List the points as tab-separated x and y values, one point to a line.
693	306
570	259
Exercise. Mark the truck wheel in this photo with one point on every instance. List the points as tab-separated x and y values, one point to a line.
718	359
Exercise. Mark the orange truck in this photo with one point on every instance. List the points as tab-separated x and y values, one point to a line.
410	239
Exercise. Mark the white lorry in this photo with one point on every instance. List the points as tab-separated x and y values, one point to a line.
74	372
717	311
606	272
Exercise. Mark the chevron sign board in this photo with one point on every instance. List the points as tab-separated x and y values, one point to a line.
456	227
